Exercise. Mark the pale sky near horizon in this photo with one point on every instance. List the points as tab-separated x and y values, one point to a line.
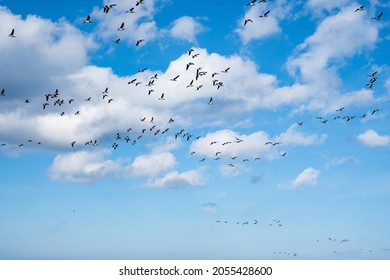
171	129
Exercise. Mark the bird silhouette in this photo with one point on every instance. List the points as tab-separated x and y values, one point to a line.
12	34
175	78
88	19
247	20
121	27
139	42
378	17
107	8
265	14
131	10
361	8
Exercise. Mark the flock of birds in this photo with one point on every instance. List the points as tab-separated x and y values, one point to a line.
337	244
55	100
65	104
265	14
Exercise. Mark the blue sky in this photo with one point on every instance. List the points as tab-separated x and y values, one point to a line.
273	144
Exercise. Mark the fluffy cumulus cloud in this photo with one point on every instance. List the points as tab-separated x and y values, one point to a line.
151	165
337	37
371	138
308	177
91	166
186	28
59	47
82	167
341	35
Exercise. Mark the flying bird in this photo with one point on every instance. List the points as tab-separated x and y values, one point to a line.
88	19
2	93
12	34
122	27
139	42
131	10
265	14
247	20
107	8
372	75
378	17
210	102
189	64
175	78
361	8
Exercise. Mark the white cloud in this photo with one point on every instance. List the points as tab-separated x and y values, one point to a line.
186	28
174	179
371	138
82	167
337	37
151	165
326	4
341	160
296	138
42	53
308	177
